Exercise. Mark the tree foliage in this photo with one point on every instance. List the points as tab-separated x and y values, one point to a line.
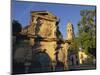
16	27
87	30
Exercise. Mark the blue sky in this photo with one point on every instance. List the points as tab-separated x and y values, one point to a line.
66	13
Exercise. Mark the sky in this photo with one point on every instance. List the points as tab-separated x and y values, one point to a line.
65	12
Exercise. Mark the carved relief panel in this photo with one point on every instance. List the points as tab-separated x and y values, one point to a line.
47	29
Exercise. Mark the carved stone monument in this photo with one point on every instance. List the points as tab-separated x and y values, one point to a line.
43	36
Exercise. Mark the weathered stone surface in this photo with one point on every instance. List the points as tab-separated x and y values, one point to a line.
63	55
43	36
48	29
43	24
50	48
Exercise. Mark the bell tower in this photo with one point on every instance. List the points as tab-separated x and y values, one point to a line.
70	31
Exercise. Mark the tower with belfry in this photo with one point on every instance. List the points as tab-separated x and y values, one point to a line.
70	31
72	52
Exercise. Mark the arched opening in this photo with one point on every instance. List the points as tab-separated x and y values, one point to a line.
40	63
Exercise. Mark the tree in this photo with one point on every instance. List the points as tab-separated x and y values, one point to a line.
16	27
87	31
